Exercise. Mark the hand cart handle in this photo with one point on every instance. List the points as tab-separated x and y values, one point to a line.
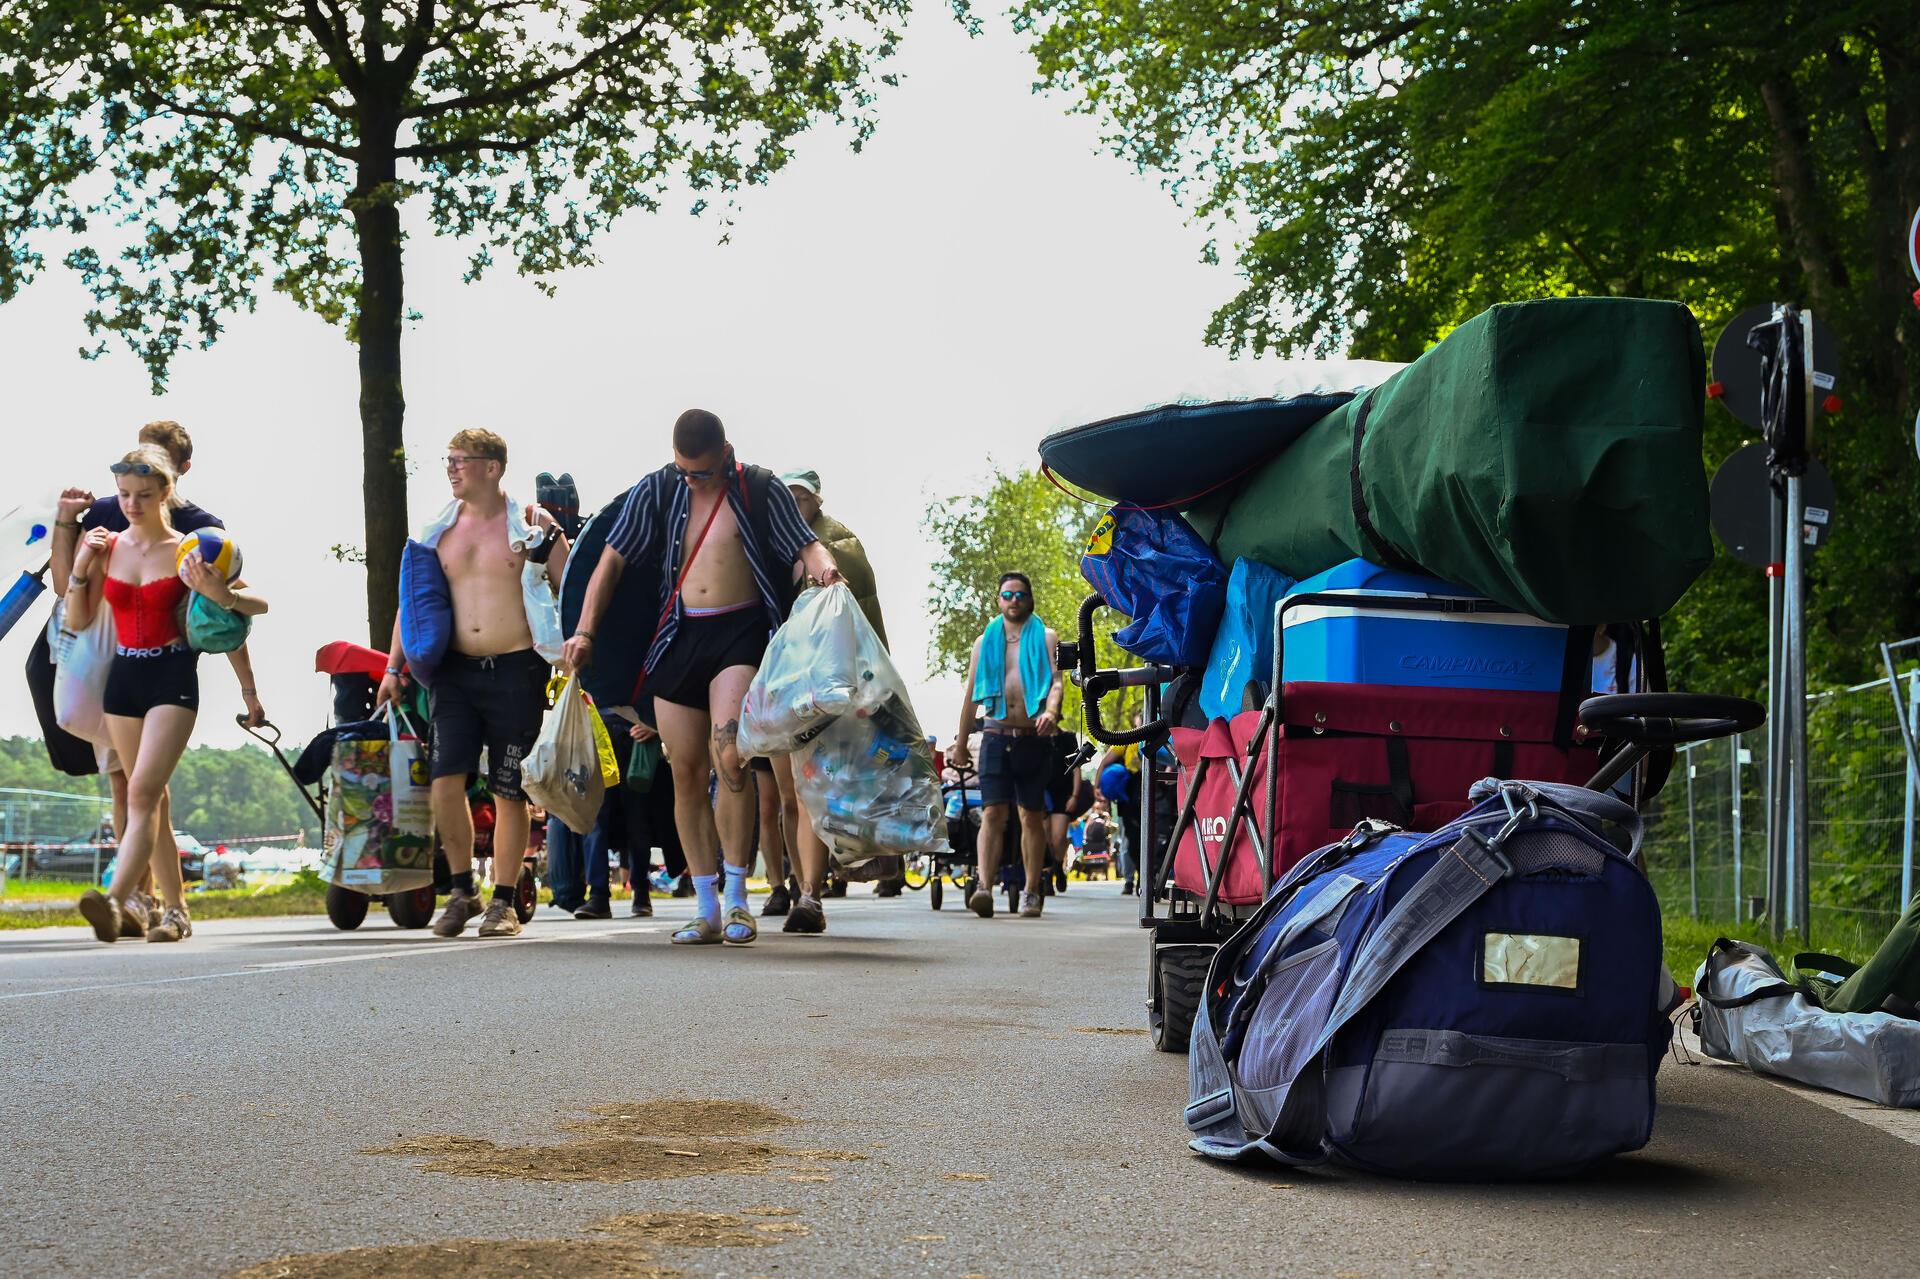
1097	684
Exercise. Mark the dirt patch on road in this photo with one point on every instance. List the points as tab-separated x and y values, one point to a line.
608	1159
698	1229
1108	1030
472	1259
673	1118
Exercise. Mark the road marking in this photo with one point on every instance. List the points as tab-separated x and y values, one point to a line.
384	952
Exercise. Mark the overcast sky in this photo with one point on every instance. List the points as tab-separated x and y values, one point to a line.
980	275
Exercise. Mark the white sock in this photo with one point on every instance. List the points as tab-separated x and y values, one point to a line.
736	890
705	897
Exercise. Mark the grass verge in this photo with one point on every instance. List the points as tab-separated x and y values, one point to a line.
297	898
1689	940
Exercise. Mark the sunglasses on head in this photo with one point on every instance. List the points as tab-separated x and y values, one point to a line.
1013	595
134	468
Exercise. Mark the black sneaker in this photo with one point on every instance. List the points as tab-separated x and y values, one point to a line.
453	919
779	902
807	916
594	908
683	886
1126	889
642	903
889	887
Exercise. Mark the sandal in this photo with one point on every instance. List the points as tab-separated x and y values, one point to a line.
740	927
698	931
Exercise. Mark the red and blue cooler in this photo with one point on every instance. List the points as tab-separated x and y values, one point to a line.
1399	693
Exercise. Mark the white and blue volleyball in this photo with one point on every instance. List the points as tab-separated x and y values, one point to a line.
214	546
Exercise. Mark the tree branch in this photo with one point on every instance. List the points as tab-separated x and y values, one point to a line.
295	136
539	84
331	34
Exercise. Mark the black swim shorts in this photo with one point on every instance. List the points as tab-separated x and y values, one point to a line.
139	679
703	646
491	702
1015	770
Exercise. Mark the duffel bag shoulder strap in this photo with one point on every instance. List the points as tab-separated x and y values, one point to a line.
1722	957
1459	877
1824	963
1591	809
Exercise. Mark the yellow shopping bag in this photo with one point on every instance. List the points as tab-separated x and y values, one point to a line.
603	742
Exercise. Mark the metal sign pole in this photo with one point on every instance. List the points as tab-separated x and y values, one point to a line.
1800	869
1776	729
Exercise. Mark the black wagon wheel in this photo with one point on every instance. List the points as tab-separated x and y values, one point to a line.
1175	980
346	909
526	895
936	889
411	909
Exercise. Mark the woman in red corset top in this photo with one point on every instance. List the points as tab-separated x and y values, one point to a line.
153	690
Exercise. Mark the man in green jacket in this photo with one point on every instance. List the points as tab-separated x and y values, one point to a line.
802	845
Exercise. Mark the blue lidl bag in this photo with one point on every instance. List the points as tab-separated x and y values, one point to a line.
1243	646
426	611
1486	1001
1153	567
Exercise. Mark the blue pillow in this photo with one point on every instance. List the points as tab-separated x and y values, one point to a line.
426	611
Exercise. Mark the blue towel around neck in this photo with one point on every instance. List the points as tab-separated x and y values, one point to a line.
1036	668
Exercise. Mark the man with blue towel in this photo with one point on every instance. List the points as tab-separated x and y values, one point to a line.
1012	684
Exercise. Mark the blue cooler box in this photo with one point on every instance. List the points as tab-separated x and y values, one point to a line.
1374	643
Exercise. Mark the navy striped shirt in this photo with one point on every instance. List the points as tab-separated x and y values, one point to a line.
654	521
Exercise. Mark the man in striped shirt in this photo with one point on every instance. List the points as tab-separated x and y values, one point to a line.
731	547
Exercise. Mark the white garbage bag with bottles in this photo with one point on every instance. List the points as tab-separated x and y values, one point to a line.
828	694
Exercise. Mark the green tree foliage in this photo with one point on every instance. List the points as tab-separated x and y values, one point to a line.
1017	522
186	154
217	794
1388	169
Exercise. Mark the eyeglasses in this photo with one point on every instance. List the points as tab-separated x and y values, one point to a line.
134	468
1013	595
455	461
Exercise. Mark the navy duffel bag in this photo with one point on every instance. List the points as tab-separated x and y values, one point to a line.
1487	1001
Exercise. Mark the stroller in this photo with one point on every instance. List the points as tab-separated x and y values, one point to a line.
1306	763
355	673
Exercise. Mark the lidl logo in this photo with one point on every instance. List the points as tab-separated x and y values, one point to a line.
417	773
1102	540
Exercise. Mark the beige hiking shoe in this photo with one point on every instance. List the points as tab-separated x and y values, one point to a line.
137	915
172	925
501	919
453	919
981	902
102	912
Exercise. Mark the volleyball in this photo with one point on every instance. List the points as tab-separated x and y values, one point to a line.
215	547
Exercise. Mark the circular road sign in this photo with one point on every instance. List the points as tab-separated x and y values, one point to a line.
1742	500
1736	366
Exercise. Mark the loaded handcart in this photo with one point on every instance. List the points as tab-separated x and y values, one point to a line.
1351	606
365	778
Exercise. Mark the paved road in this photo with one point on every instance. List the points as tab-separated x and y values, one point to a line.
199	1109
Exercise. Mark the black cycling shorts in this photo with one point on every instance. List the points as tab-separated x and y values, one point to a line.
703	647
495	703
139	679
1015	770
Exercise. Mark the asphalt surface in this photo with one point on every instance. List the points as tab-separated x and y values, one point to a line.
197	1109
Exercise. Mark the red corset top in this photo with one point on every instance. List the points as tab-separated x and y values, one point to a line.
143	616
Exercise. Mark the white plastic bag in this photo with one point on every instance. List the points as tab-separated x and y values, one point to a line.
828	694
824	662
81	660
543	612
562	771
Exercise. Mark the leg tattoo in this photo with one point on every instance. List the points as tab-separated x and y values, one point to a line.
726	739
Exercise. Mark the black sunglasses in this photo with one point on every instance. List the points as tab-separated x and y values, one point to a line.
134	468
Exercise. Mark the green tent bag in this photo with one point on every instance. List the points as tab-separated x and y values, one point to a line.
1545	454
213	629
1893	971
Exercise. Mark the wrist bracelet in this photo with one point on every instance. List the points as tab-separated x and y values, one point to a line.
585	635
393	670
248	692
66	523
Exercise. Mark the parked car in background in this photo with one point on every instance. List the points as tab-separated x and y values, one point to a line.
193	859
77	859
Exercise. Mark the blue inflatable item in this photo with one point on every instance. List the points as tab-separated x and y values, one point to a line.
1484	1002
1116	783
1171	454
1153	567
1243	646
27	588
426	611
1378	644
626	626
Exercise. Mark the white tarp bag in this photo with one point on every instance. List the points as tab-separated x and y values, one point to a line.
828	694
562	771
81	660
1751	1013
